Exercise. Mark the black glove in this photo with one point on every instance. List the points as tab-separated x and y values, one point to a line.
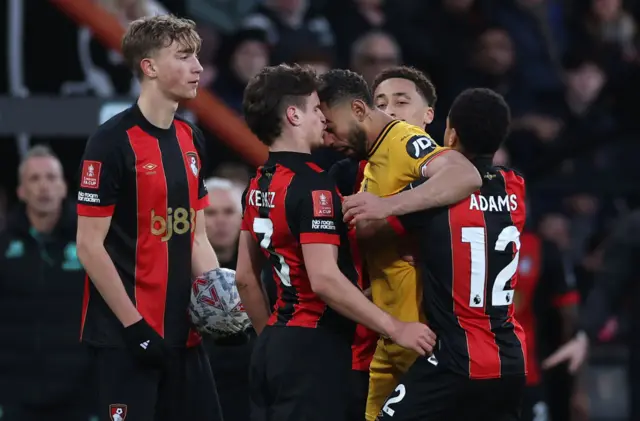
146	345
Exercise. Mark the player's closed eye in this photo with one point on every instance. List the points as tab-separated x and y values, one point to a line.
382	106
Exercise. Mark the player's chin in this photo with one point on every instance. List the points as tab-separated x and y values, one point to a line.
191	91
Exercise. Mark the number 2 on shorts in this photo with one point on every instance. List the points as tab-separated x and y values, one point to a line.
387	405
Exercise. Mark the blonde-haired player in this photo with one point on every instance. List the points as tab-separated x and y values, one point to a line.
397	153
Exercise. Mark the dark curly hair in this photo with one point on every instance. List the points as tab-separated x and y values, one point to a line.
481	119
270	92
338	84
423	83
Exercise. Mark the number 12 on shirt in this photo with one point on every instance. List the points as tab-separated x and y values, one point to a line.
476	238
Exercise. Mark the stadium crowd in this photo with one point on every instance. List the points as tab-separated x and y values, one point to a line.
570	71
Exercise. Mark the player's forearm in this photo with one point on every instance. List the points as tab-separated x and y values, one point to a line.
203	257
342	296
380	229
448	186
254	301
106	279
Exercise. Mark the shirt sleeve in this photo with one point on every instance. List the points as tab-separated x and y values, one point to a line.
411	156
319	212
101	174
201	148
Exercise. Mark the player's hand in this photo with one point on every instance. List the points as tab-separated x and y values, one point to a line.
145	344
363	206
574	352
414	335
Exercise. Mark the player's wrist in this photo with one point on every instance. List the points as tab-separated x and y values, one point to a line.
390	327
392	205
131	320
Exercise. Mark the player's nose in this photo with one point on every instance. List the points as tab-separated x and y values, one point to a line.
197	68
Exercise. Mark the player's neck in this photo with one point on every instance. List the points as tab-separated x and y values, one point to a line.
289	143
157	108
378	120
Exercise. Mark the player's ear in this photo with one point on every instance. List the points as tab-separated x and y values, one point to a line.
148	67
428	116
452	141
293	116
359	109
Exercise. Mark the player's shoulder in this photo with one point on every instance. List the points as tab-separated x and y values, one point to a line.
197	133
509	171
309	174
116	127
411	140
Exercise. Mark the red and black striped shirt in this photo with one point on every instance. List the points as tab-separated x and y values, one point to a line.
469	259
149	181
288	203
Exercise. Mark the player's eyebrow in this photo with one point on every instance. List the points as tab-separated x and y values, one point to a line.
186	50
380	96
399	94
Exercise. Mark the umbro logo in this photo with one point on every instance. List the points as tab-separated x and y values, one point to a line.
145	344
149	168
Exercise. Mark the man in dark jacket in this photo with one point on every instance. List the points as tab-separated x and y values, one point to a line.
42	363
614	283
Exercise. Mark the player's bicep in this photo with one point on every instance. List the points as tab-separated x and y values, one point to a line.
92	230
319	215
450	159
320	261
250	261
100	178
200	230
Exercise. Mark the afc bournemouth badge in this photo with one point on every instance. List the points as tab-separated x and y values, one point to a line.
192	160
118	411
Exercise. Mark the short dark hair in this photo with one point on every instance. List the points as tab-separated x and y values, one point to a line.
423	83
339	84
270	92
481	118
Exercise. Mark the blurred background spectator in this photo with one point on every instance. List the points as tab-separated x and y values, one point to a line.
44	369
569	69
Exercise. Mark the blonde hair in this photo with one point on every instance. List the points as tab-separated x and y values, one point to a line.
147	35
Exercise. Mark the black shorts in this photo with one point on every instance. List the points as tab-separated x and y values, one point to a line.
184	391
300	374
429	392
359	392
534	405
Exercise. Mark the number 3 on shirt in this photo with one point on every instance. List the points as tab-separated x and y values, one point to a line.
264	226
500	296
